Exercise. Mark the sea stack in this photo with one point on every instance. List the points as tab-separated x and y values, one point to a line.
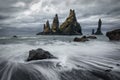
99	32
55	25
71	26
46	29
93	31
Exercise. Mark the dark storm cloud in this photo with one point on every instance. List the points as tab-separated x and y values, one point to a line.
3	17
100	7
7	6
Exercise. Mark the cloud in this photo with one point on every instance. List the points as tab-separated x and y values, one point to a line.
2	17
19	4
26	12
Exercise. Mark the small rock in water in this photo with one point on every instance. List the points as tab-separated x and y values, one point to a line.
82	39
39	54
118	64
14	36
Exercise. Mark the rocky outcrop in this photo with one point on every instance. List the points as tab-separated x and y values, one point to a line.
82	39
99	32
39	54
46	29
114	35
71	26
55	25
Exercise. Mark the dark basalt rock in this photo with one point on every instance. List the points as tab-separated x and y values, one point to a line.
55	24
39	54
92	37
71	26
114	35
99	32
46	29
93	31
82	39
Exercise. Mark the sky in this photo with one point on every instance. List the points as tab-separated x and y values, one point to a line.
32	14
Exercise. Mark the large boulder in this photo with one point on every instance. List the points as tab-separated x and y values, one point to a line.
39	54
71	26
114	35
82	39
99	32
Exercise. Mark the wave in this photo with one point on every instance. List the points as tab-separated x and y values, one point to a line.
76	61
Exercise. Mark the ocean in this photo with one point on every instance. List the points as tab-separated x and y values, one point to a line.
97	59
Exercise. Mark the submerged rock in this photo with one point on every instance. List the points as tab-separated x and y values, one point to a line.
82	39
99	32
108	70
71	26
39	54
114	35
15	36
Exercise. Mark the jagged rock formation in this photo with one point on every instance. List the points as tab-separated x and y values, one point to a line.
39	54
46	29
114	35
55	25
71	26
99	32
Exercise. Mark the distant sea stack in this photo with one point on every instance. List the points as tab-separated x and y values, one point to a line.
93	31
69	27
46	29
99	32
55	25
